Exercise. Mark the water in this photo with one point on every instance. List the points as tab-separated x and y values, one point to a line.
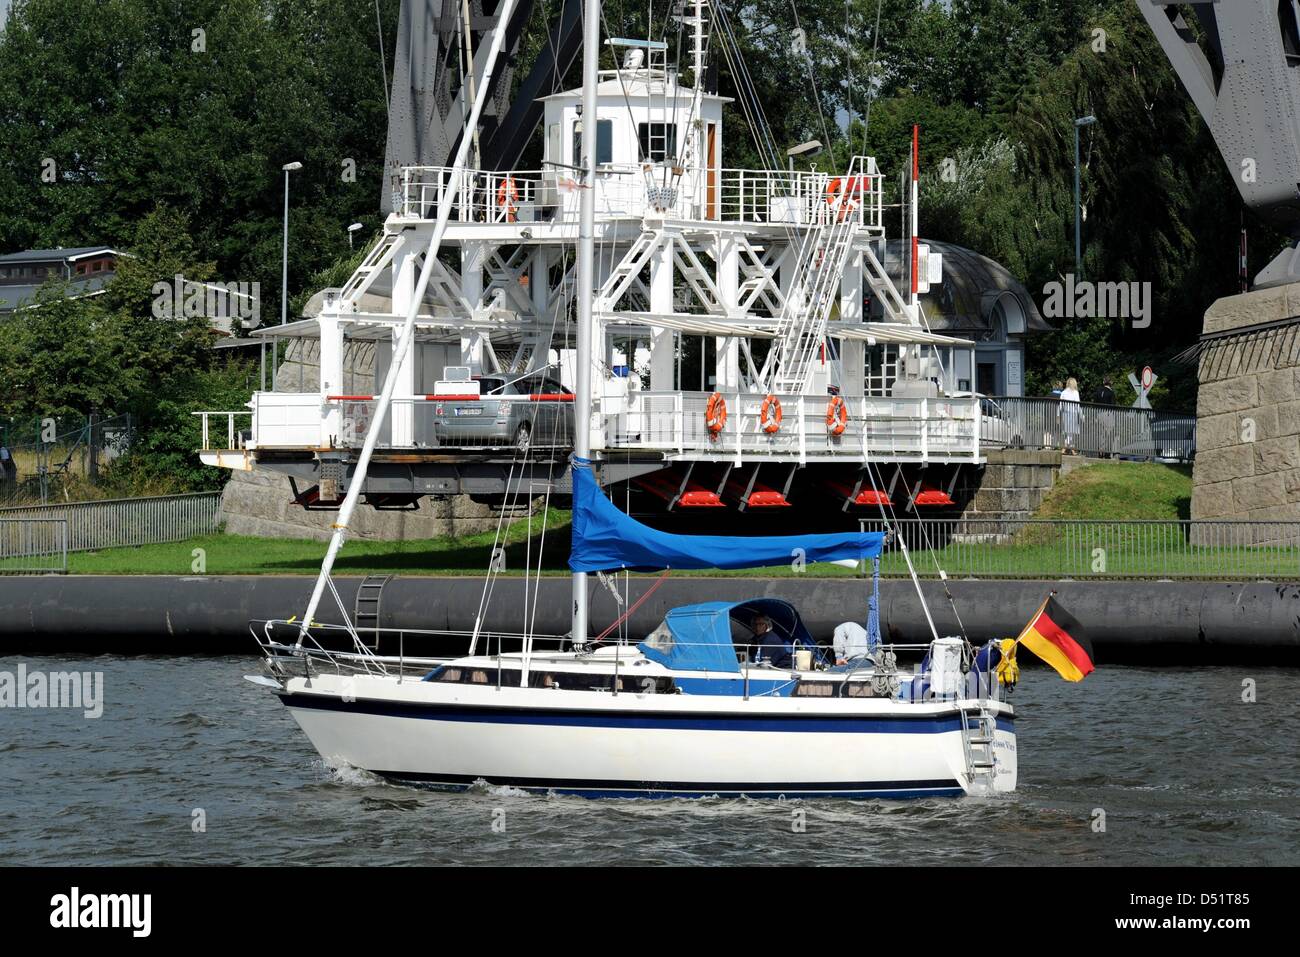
1185	772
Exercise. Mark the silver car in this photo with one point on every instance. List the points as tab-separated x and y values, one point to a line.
534	410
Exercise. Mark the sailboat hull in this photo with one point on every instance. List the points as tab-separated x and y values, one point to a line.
643	746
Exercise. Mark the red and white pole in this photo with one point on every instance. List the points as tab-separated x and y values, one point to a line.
916	177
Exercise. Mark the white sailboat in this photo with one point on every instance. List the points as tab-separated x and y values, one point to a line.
691	709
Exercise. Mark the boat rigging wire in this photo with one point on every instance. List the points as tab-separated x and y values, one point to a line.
634	606
812	79
871	80
402	347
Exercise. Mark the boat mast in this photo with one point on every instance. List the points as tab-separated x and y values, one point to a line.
450	191
582	398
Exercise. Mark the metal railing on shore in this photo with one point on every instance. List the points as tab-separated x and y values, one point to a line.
33	546
111	523
1102	430
1044	548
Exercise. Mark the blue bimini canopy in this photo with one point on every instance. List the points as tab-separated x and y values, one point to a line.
605	539
698	637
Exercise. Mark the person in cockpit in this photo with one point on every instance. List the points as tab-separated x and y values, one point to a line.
767	644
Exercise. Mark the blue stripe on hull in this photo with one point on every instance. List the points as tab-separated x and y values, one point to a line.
489	714
660	790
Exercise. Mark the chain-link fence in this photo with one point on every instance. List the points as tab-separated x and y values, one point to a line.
40	456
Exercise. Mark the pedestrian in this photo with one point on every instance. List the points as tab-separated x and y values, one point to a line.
1071	415
1052	436
1105	394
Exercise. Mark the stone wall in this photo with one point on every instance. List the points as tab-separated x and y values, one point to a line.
1247	463
261	503
1012	486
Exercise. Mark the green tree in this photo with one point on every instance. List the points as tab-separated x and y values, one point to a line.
117	353
107	109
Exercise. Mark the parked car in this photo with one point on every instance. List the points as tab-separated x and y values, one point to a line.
997	425
505	415
1161	437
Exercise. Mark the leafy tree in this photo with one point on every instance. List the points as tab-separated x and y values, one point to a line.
107	109
115	353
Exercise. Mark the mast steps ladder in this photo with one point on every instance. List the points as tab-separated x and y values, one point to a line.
366	607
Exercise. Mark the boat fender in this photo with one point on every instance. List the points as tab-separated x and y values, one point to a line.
1008	668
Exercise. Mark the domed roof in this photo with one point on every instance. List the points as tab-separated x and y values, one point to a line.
976	296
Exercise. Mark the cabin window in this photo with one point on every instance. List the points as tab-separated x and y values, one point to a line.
604	142
553	143
658	141
565	680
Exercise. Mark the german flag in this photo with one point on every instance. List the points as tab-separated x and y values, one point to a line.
1058	639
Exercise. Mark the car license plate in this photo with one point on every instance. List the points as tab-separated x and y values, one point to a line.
469	410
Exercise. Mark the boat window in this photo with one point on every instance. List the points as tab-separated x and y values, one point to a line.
658	141
553	142
564	680
604	142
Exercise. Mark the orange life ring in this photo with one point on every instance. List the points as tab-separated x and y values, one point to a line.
770	414
837	415
715	414
508	197
844	192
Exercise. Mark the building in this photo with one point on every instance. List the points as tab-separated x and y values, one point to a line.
86	269
89	269
981	301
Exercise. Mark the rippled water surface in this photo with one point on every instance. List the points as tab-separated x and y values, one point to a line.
1184	771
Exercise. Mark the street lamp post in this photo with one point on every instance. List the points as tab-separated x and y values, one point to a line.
352	229
1078	203
811	148
284	267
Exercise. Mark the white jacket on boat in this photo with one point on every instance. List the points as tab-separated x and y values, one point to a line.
850	641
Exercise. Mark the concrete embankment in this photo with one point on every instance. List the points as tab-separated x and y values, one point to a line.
1125	620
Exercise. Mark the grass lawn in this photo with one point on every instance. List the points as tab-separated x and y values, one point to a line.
1097	493
1121	491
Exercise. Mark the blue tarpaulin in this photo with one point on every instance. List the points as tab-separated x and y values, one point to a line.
605	539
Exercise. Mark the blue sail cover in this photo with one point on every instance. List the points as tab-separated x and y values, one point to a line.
605	539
